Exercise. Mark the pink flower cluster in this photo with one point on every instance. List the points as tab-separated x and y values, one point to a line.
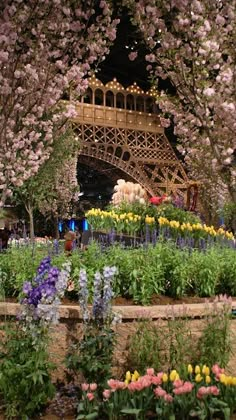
40	60
217	371
161	393
207	390
181	387
91	388
203	106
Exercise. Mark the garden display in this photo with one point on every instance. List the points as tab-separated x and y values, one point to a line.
168	234
172	255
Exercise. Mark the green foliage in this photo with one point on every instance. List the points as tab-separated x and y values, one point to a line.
145	347
175	266
167	210
164	344
91	357
18	265
204	271
215	344
170	344
174	213
25	383
229	214
227	272
142	272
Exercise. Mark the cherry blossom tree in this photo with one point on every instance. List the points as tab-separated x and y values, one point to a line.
192	45
46	48
63	192
54	189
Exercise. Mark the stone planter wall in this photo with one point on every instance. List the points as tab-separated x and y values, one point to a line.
71	325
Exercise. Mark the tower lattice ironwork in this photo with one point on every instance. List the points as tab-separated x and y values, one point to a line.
119	133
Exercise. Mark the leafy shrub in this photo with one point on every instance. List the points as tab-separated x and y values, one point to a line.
227	275
215	343
204	272
25	382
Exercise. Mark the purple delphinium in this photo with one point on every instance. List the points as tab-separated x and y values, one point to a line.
154	237
147	234
101	308
55	247
108	275
42	295
97	298
83	294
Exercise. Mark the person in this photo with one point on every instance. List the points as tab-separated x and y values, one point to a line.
69	239
4	236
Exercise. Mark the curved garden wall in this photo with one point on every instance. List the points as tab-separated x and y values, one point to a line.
70	325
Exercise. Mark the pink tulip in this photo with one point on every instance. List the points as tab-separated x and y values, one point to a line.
183	389
160	392
93	387
106	394
90	396
214	390
114	384
85	387
157	380
178	383
168	398
150	371
217	370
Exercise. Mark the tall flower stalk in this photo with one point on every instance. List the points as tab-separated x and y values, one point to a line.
25	382
92	356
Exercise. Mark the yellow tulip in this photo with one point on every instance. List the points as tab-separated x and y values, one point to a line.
198	378
164	377
234	380
197	369
205	370
208	379
190	369
128	376
173	375
222	378
136	374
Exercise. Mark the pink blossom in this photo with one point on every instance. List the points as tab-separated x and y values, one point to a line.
106	394
150	371
151	58
114	384
85	387
209	91
133	55
184	389
90	396
178	383
93	386
204	391
159	392
157	380
168	398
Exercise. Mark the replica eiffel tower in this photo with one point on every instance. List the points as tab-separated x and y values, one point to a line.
120	133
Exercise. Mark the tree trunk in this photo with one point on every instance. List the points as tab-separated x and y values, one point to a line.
56	230
31	220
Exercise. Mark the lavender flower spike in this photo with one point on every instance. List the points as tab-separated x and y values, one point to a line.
83	294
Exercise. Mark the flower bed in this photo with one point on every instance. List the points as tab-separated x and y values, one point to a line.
70	325
163	268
